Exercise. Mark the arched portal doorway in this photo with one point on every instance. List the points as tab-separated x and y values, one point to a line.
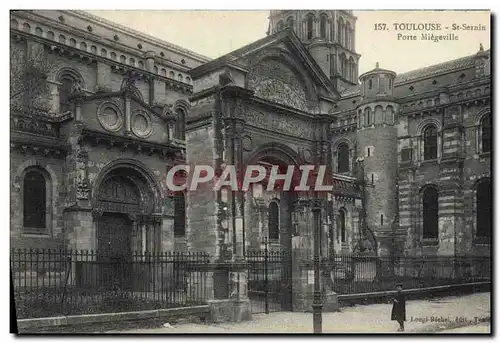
268	218
279	203
124	206
119	199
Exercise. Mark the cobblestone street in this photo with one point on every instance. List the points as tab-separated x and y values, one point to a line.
469	312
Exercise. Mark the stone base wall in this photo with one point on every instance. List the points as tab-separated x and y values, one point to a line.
229	310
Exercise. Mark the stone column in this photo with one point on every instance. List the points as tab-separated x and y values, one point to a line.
127	116
302	253
239	195
234	156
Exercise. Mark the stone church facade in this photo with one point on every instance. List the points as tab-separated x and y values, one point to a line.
409	154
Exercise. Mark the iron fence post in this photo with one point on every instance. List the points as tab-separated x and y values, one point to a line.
266	280
63	297
317	299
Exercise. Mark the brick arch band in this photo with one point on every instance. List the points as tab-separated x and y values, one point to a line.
277	153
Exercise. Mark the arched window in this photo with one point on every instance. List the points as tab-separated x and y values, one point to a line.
179	215
273	221
180	125
34	200
310	21
378	115
340	29
65	89
483	209
348	70
332	27
486	134
351	69
343	63
370	84
389	115
322	27
347	39
289	23
430	143
343	158
368	117
342	225
430	212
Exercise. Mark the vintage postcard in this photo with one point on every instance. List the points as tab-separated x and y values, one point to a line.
276	171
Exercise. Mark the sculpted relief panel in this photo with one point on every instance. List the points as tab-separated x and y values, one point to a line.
290	125
272	80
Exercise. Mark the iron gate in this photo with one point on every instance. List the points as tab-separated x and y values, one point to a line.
269	281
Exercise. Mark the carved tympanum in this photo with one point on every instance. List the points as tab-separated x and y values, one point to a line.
276	82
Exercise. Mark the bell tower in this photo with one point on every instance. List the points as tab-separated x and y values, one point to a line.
330	37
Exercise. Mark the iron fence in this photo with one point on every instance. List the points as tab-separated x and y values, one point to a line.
353	274
63	282
269	280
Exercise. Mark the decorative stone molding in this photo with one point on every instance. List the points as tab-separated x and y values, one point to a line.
291	126
247	143
141	124
82	184
32	148
110	116
306	155
97	212
30	125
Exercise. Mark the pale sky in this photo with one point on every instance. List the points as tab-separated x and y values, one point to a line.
215	33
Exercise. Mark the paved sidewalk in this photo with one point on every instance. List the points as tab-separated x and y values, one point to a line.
426	316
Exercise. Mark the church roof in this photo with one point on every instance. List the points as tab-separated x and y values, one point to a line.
416	74
138	34
285	35
436	69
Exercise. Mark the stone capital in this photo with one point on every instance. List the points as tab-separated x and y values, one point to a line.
97	212
316	204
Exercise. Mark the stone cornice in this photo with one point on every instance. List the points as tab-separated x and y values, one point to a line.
163	44
269	105
467	102
27	143
235	91
39	114
204	93
123	94
32	15
201	120
166	150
